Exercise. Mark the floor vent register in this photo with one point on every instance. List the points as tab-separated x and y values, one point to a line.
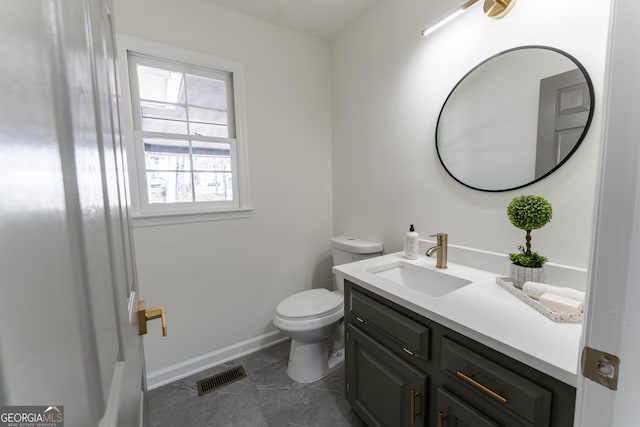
222	379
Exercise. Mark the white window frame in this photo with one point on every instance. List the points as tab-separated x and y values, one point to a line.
144	213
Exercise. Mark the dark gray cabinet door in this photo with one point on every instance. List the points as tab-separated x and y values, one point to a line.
453	412
382	389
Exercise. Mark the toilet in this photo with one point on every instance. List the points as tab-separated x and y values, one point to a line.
313	318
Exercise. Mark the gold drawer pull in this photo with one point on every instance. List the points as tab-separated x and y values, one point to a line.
406	350
470	380
441	417
413	406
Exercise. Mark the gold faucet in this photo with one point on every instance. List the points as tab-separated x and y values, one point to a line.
440	248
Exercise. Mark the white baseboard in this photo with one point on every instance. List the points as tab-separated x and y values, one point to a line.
181	370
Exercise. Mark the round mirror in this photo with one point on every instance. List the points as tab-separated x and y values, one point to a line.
515	118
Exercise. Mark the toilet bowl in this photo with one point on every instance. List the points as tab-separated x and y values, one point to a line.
313	318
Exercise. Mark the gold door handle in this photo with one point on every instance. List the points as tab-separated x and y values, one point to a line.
441	417
413	406
470	380
145	315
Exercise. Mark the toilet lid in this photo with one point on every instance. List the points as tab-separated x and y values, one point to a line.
311	303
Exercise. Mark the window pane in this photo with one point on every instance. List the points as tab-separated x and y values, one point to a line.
159	117
157	84
165	154
211	156
206	92
157	110
209	130
213	186
205	115
168	126
156	188
169	187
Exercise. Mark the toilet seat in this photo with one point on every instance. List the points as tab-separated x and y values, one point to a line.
311	304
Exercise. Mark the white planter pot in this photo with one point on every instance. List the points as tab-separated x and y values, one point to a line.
520	274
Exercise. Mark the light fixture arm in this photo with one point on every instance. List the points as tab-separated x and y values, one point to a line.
492	8
448	17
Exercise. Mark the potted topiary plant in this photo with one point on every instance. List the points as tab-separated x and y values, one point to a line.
528	213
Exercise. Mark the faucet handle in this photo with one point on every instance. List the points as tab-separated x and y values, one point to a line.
440	248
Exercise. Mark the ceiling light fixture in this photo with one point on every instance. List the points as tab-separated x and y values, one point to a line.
492	8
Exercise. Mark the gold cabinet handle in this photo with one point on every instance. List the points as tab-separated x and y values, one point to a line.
144	315
413	406
441	417
406	350
487	390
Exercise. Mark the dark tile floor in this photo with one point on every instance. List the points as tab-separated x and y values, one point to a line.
267	397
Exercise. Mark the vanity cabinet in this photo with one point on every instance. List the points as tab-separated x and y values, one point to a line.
403	369
382	388
452	411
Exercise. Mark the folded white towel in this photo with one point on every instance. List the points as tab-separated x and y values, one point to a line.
561	304
535	290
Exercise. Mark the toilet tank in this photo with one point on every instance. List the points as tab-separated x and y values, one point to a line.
349	249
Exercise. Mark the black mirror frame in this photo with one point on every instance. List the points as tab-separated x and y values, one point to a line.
567	157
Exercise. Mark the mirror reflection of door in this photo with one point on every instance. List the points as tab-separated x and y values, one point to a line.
563	113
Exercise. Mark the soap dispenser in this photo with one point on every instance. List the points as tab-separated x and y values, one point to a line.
411	244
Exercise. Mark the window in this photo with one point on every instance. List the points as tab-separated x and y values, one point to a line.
187	135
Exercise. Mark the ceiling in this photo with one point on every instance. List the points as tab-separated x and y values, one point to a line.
325	19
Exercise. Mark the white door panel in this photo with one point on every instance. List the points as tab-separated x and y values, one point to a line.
613	304
66	260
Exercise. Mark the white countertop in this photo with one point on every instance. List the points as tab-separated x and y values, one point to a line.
482	311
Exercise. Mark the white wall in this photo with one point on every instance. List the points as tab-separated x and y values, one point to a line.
221	281
388	87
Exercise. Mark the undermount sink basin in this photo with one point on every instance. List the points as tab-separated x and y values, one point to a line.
423	279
